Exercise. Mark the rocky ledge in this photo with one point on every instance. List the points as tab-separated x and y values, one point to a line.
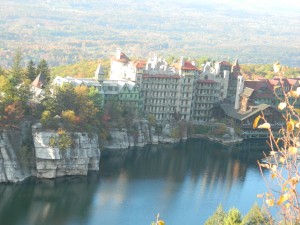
84	155
26	153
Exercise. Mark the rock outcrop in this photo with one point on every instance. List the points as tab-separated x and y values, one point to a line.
84	155
141	134
26	152
16	155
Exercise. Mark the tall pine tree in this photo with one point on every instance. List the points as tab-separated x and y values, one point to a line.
16	72
31	71
43	68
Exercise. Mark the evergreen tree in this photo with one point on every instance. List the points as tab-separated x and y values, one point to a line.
255	216
16	72
43	68
217	218
233	217
31	71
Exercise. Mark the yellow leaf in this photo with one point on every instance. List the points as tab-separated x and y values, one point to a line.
283	198
281	160
282	105
256	120
160	222
274	168
287	205
297	125
290	126
273	175
260	195
293	94
293	150
270	202
264	126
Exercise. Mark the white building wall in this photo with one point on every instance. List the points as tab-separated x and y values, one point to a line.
117	70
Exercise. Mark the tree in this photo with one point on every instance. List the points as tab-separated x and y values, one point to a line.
151	119
233	217
283	164
62	140
16	71
217	218
31	71
7	89
255	216
43	68
10	114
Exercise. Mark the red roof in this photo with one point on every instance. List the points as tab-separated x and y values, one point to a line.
161	76
187	66
140	64
123	58
254	84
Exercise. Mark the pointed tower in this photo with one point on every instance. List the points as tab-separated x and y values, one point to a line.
99	73
39	81
235	67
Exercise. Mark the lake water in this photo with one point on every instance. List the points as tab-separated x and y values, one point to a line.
183	182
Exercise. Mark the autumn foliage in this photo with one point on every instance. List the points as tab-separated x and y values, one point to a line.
282	163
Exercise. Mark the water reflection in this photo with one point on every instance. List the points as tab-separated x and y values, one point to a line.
213	164
47	201
184	182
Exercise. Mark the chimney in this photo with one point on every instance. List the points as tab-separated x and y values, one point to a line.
118	53
239	89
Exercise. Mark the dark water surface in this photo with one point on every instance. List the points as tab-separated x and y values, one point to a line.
184	183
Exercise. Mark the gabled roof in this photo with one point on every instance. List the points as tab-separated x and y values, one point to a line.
123	58
39	81
254	84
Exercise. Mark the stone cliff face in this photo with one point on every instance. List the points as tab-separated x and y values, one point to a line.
142	135
78	160
26	153
16	156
